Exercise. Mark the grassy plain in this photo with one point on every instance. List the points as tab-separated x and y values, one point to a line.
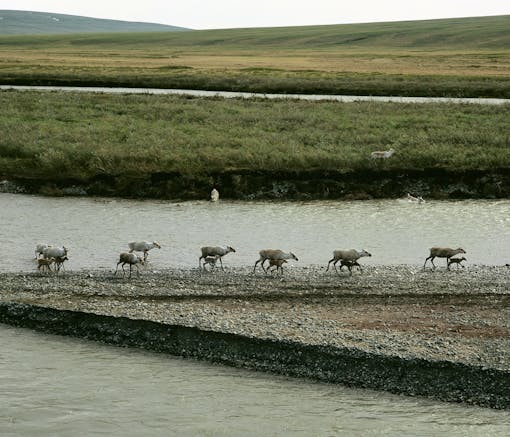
468	57
81	135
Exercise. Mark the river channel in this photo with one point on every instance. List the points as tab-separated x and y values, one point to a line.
60	386
56	386
245	95
96	230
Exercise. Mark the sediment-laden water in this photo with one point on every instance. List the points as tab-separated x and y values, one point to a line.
56	386
96	230
246	95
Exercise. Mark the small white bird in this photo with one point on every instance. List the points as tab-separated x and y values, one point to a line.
215	195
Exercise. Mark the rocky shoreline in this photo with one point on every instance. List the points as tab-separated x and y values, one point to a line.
397	328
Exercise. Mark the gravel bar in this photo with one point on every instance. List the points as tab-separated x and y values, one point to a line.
458	319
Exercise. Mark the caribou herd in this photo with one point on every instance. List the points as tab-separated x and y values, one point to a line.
48	255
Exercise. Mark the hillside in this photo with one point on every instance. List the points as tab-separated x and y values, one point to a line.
29	23
454	33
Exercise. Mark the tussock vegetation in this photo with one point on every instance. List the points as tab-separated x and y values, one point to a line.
81	135
466	57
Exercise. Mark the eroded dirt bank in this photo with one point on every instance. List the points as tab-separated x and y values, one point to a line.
376	183
431	333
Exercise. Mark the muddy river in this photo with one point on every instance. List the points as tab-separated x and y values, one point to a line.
96	230
55	386
246	95
59	386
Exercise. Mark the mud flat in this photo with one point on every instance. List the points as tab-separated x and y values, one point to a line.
441	334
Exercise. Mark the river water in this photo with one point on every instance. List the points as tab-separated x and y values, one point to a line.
59	386
244	95
96	230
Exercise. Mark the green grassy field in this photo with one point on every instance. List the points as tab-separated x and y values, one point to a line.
80	135
468	57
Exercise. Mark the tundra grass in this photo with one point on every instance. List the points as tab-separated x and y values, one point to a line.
267	81
457	58
54	135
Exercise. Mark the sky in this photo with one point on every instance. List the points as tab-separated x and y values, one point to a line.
221	14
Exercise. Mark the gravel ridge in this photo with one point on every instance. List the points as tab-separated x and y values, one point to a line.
460	316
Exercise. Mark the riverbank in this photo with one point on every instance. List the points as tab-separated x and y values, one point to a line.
180	147
400	329
281	185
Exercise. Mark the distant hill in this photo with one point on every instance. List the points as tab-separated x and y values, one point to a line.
469	33
29	23
491	32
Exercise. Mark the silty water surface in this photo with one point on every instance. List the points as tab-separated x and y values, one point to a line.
60	386
96	230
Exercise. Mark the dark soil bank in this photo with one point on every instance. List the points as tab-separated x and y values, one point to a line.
443	380
250	185
401	329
